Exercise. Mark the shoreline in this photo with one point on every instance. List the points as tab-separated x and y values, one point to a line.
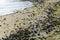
15	12
13	7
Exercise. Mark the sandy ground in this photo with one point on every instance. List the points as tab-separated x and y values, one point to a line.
10	23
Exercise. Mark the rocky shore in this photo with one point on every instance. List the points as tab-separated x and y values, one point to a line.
40	22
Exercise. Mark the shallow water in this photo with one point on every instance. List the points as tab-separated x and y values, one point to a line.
11	6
